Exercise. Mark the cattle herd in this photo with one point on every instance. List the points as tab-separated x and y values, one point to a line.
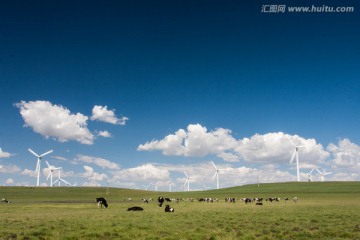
101	202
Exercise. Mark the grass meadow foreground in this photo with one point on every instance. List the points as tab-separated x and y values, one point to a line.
327	210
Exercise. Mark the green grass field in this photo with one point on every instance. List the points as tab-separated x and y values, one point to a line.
326	210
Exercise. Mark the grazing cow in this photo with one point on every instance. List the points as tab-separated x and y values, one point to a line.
230	199
296	199
160	201
145	200
167	199
286	199
169	209
101	202
135	209
4	200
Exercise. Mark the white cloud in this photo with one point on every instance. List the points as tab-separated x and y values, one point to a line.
55	121
101	162
93	178
9	168
102	114
104	134
147	172
272	147
4	154
9	181
196	141
345	155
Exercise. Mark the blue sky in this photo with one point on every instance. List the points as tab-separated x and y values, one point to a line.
134	93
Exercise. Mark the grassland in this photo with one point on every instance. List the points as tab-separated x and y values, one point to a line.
326	210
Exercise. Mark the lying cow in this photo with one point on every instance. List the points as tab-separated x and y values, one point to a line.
101	202
135	209
169	209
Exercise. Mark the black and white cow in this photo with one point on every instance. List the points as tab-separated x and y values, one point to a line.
169	209
135	209
145	200
160	201
4	200
101	202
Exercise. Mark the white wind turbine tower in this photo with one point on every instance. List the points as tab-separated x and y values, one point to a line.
187	181
296	154
59	180
217	170
39	157
170	182
322	178
309	175
52	169
155	185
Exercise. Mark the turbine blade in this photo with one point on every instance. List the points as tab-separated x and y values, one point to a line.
47	163
214	175
327	173
214	165
318	171
48	176
186	174
291	141
33	152
46	153
293	156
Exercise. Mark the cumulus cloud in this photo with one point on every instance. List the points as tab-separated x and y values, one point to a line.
55	121
9	168
199	142
104	134
93	178
102	114
101	162
196	141
345	155
4	154
144	172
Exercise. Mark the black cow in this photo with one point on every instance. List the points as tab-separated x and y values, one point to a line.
160	201
169	209
101	202
135	209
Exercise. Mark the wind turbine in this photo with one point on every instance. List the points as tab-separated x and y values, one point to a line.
155	185
309	175
296	154
170	182
217	170
52	169
187	181
39	157
59	180
322	178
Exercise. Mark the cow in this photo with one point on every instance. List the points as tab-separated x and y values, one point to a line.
4	200
160	201
101	202
167	199
296	199
145	200
135	209
230	199
286	199
259	203
169	209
